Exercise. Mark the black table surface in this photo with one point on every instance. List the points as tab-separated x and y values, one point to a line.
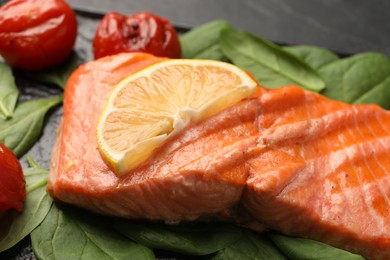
344	26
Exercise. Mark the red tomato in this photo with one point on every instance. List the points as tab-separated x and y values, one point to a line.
36	34
12	183
140	32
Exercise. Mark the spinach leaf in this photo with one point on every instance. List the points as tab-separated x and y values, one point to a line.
300	248
36	206
362	78
250	246
8	91
202	42
269	64
57	75
21	131
69	233
315	56
185	239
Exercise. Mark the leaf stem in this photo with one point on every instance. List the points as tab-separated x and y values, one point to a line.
5	111
37	185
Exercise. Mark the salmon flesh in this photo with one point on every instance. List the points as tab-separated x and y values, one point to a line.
287	160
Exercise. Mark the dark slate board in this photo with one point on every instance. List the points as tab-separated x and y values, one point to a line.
343	26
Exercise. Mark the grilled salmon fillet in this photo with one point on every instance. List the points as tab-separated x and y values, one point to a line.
291	160
185	181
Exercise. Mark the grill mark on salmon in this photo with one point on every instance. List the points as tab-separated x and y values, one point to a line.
286	159
373	153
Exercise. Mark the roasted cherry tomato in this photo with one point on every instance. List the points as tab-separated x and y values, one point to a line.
36	34
140	32
12	183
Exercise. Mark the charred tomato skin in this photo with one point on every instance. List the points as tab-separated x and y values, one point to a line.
139	32
36	34
12	182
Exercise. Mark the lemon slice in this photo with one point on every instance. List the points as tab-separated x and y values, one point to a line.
157	102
